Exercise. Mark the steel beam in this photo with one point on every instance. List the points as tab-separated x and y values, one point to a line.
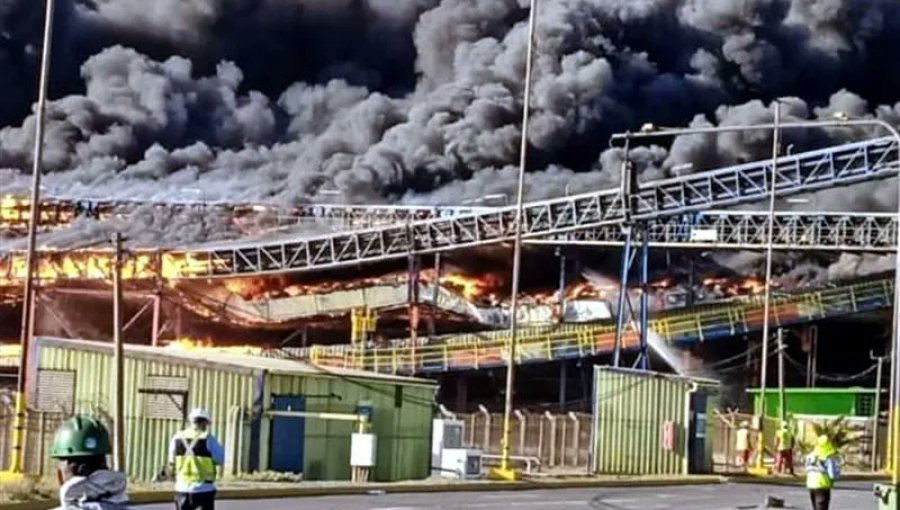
799	173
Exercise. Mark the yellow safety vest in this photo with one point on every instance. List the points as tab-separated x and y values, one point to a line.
785	439
816	477
193	460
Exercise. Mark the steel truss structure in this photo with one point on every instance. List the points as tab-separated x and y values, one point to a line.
799	173
60	211
794	230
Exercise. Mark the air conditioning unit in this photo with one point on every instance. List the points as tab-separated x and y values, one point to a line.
449	458
461	463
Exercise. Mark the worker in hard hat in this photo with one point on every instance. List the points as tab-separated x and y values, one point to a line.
784	456
822	469
742	444
194	454
81	445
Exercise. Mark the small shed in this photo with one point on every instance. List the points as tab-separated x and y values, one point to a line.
850	402
649	423
161	385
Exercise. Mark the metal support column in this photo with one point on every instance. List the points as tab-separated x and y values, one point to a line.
157	311
645	298
623	295
118	380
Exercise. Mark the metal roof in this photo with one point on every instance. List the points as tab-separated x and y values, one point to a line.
227	360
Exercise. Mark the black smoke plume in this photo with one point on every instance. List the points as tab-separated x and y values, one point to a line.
420	100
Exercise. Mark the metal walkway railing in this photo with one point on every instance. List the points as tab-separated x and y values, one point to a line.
567	341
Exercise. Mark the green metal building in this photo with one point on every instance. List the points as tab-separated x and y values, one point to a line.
648	423
161	385
857	402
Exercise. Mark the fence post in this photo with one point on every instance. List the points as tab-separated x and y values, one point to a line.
42	432
522	426
552	420
576	436
487	427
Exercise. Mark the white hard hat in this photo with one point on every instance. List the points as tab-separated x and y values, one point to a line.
198	413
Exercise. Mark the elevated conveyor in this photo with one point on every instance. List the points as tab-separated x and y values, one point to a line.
568	341
799	173
728	230
59	212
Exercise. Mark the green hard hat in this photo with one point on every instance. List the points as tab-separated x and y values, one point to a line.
80	436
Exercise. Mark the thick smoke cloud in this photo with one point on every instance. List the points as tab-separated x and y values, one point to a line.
420	100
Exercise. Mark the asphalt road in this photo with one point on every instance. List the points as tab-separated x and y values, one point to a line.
708	497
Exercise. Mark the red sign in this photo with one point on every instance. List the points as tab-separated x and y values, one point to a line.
668	435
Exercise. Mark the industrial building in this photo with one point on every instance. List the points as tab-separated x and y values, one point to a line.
241	392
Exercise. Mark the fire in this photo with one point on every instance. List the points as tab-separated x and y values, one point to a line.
471	287
206	344
98	265
749	285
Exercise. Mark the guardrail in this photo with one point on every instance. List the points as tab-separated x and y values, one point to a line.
566	341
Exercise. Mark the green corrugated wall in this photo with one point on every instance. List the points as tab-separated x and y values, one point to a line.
630	410
147	439
404	433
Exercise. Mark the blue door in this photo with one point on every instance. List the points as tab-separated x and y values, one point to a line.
286	447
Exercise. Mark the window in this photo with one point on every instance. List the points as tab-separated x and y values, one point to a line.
865	405
55	391
165	397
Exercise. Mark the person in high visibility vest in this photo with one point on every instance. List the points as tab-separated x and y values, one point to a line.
194	454
822	469
784	456
742	444
81	445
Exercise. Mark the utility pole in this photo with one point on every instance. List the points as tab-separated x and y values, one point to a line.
17	459
118	361
770	224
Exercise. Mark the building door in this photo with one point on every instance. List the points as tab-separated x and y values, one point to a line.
698	460
288	434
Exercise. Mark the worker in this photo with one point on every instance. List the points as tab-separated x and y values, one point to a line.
822	469
194	454
81	445
743	447
784	456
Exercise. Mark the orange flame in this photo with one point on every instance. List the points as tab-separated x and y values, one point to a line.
207	344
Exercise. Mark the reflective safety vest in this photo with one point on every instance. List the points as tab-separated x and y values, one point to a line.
785	439
193	460
817	476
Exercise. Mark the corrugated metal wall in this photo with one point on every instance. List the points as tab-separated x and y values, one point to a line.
630	410
147	438
404	432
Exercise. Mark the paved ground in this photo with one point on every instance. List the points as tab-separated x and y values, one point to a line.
855	496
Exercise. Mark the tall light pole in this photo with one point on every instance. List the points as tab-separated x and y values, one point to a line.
840	120
505	471
17	457
767	293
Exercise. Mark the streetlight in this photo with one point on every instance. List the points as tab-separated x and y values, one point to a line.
17	457
505	471
838	120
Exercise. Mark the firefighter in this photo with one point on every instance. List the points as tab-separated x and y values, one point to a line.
742	444
822	469
784	458
81	445
194	454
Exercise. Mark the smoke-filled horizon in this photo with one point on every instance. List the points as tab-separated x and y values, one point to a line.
420	100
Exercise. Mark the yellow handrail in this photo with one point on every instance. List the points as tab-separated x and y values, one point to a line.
476	350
